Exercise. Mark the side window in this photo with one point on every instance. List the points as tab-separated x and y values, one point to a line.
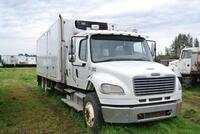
186	55
182	55
83	50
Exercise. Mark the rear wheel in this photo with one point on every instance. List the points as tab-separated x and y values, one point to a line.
189	80
39	80
42	82
92	113
45	85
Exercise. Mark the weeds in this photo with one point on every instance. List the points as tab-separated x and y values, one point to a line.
26	108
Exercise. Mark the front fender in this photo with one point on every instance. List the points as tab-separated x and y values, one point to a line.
99	78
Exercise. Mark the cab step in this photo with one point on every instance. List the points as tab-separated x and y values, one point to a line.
74	99
73	104
69	91
80	95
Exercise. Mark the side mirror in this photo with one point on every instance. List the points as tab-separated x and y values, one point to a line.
152	44
153	50
72	47
71	55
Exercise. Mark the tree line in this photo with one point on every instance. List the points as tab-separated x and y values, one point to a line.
181	41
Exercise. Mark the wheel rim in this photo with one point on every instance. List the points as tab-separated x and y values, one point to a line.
89	114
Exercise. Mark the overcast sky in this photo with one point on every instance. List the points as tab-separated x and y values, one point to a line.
23	21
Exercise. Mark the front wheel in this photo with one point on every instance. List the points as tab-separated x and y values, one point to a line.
92	113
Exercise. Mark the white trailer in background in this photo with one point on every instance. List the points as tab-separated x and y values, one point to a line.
18	60
109	75
26	60
31	60
21	60
8	60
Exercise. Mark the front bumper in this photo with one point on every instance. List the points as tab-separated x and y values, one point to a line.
136	114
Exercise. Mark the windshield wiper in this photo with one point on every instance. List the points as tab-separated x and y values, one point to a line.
111	59
140	59
122	59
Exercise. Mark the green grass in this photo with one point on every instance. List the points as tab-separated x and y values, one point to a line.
24	107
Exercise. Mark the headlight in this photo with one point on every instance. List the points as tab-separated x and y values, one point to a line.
111	89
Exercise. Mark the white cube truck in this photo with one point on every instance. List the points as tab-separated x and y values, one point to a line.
109	75
187	67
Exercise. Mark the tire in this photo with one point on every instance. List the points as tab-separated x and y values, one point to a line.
92	113
39	81
43	83
194	80
189	80
186	80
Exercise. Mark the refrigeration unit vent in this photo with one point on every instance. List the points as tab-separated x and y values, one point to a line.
83	25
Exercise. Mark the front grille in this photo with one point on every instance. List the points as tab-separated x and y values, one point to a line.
153	85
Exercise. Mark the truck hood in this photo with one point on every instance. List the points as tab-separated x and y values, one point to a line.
133	68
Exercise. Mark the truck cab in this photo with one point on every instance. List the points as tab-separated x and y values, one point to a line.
108	74
188	65
121	69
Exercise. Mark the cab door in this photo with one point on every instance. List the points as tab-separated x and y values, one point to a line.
185	62
80	65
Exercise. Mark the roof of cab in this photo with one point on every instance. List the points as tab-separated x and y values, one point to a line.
193	49
109	32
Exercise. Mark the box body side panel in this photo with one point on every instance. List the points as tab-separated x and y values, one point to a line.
42	55
49	53
54	52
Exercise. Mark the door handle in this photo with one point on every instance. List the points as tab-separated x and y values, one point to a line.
77	73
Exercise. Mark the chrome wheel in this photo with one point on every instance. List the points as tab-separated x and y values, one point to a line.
89	114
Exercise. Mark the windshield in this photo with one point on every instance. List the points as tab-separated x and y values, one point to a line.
119	47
